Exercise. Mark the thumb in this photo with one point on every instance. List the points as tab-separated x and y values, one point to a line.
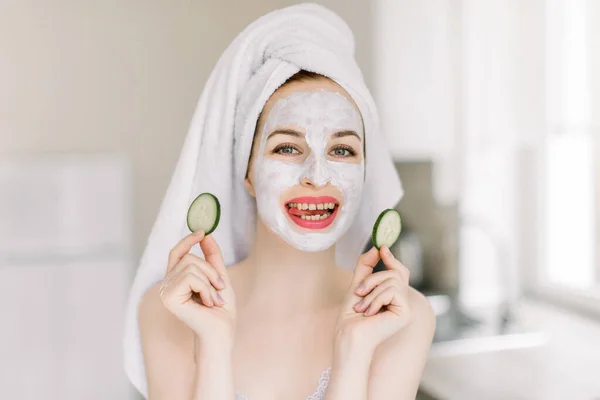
212	254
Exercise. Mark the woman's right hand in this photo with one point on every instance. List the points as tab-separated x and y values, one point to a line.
198	291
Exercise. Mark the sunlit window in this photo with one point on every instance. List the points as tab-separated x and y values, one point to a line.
570	175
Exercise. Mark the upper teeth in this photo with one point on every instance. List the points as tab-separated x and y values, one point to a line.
312	206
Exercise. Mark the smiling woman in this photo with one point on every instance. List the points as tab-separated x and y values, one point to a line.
280	289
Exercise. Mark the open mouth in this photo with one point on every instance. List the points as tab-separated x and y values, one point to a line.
313	212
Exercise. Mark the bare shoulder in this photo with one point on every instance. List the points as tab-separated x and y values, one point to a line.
151	308
155	320
167	346
150	299
422	325
422	313
399	362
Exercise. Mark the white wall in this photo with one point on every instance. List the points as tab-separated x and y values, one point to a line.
122	76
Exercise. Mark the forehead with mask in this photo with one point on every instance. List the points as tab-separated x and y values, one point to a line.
306	169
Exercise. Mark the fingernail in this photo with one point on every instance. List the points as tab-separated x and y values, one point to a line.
199	232
359	304
387	251
360	288
221	281
220	298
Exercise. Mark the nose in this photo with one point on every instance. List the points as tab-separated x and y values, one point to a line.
317	173
308	183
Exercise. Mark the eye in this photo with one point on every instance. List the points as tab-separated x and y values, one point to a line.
286	149
342	151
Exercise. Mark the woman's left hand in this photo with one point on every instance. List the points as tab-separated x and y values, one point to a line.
376	306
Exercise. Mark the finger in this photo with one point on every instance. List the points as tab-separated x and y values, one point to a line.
183	247
375	279
198	270
392	262
181	267
186	285
364	267
201	267
214	295
174	276
213	255
368	299
390	296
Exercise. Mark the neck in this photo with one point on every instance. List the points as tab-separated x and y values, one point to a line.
281	279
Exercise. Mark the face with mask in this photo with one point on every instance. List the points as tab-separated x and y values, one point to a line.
307	164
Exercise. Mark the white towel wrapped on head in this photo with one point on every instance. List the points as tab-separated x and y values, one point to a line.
215	154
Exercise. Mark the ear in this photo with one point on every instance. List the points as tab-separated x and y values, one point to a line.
249	187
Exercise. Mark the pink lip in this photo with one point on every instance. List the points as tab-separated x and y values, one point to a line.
321	224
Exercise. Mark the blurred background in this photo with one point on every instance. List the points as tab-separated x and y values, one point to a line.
492	112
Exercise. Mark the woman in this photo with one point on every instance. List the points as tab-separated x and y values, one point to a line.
277	313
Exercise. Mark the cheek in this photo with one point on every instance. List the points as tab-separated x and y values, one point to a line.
277	176
274	177
349	178
348	175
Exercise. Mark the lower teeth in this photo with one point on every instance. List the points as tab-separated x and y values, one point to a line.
314	217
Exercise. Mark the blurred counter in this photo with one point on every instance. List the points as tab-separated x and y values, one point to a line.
566	366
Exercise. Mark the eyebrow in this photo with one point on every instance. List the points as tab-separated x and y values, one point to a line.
342	134
297	134
290	132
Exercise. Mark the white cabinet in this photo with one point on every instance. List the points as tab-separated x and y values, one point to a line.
454	75
65	270
61	330
414	77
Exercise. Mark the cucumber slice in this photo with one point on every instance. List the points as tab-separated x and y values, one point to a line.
387	228
204	213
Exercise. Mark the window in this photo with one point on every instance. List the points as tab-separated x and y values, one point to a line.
569	229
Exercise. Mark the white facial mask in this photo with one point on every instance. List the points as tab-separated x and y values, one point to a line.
320	114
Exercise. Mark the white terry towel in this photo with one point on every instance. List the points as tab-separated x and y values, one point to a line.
215	153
